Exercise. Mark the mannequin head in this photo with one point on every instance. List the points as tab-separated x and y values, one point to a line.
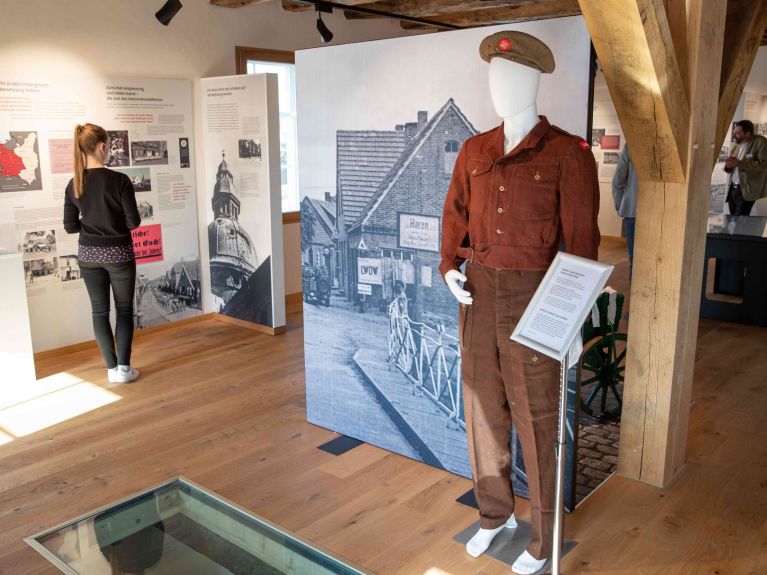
513	87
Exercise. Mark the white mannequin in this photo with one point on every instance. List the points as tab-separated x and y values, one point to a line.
513	90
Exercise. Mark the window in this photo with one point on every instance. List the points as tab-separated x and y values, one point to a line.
255	61
451	153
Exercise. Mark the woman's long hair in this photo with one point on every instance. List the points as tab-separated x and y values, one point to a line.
87	137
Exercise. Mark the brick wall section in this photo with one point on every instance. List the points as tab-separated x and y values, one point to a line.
420	189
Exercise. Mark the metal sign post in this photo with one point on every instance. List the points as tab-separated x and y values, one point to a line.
551	323
561	455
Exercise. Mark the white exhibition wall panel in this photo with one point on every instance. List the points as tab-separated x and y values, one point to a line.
150	124
241	215
607	141
16	355
380	125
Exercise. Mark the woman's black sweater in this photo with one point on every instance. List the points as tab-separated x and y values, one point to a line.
106	211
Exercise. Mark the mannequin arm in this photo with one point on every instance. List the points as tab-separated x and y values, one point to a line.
452	279
579	203
455	217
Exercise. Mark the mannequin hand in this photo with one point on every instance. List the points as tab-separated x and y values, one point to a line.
451	279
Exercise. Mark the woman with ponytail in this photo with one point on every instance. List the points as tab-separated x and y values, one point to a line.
100	205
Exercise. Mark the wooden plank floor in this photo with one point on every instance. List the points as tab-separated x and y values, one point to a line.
224	406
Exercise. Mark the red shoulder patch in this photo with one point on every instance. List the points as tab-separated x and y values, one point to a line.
584	144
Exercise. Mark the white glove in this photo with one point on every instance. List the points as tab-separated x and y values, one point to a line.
452	279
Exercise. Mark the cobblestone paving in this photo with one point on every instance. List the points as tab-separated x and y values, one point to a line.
597	456
597	450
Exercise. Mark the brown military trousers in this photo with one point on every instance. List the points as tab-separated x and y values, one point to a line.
504	381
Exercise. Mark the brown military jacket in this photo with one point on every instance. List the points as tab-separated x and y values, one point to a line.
512	211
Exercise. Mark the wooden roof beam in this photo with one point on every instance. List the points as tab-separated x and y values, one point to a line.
236	3
295	6
429	8
636	51
516	13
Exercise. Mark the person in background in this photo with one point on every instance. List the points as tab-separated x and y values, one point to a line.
625	200
747	166
100	205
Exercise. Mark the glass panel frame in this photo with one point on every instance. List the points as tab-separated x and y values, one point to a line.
180	485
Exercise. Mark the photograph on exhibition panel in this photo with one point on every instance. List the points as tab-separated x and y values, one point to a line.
383	361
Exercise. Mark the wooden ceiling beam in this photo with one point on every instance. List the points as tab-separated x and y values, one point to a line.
236	3
462	13
744	32
635	49
509	14
428	8
416	8
294	6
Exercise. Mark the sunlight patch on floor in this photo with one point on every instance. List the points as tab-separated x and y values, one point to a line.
48	401
5	438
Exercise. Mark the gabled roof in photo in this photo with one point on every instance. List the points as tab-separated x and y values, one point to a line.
407	156
364	157
326	211
192	268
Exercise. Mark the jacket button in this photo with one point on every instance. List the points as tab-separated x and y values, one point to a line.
500	210
499	232
474	171
534	358
502	189
537	176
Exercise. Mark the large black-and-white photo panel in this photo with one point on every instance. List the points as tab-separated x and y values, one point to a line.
383	362
242	234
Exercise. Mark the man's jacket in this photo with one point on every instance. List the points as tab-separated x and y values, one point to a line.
511	211
753	168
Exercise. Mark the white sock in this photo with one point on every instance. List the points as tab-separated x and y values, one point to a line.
526	564
482	539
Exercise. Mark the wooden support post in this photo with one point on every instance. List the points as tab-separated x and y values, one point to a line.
672	206
665	297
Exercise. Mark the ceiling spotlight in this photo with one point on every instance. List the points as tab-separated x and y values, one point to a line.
168	11
325	34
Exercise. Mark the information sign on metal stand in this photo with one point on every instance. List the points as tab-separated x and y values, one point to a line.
551	323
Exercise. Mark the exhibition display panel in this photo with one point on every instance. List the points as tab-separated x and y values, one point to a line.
180	527
150	124
243	234
237	267
383	358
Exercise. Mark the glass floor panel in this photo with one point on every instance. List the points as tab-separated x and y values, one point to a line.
179	527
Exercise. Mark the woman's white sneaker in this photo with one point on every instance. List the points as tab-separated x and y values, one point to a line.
122	374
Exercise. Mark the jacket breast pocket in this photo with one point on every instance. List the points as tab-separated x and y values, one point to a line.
480	171
479	167
535	194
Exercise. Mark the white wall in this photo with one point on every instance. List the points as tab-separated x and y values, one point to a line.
123	38
605	116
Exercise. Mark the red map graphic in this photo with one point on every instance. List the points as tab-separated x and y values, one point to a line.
11	165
